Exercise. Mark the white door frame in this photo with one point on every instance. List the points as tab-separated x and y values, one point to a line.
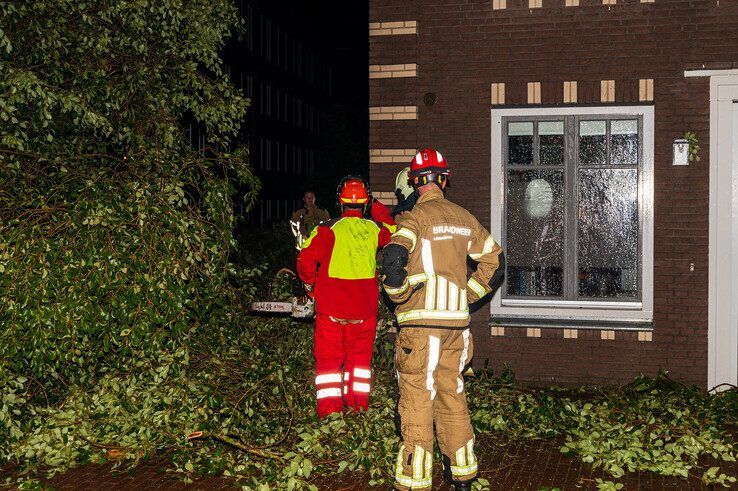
722	330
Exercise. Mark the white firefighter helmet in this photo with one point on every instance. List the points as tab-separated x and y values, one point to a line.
402	183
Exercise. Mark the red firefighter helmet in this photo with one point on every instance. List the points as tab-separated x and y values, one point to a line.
353	192
428	165
428	161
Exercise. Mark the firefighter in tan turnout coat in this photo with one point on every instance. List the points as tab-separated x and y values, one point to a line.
425	274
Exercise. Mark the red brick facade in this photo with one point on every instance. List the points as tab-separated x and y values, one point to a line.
462	47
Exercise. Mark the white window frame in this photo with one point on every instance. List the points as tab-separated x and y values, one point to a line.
622	313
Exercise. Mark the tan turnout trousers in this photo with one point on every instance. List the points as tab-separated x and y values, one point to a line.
429	363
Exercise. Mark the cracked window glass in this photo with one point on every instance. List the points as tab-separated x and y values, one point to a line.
608	233
520	143
535	204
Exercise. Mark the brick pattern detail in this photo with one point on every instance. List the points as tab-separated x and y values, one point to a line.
586	91
385	197
607	335
499	4
465	46
645	336
571	334
384	113
534	92
498	94
533	332
393	71
645	89
535	4
572	3
391	155
393	101
570	92
607	91
393	28
498	331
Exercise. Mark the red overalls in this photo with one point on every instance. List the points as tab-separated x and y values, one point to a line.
339	258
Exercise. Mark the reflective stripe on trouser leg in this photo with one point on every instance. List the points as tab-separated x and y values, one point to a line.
450	412
359	350
361	387
466	462
362	380
463	359
326	385
434	353
329	392
415	406
327	378
329	358
420	465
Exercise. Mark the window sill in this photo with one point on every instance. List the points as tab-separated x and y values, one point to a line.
572	323
569	304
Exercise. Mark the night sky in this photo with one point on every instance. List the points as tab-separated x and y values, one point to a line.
339	30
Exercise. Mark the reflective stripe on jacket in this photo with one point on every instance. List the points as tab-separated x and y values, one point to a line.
439	235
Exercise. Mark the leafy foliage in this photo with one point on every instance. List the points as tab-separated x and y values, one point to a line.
114	78
250	385
248	388
694	145
114	234
653	425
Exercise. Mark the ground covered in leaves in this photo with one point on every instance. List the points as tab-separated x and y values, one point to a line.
526	464
236	399
249	391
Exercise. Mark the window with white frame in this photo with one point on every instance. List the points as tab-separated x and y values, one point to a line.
572	206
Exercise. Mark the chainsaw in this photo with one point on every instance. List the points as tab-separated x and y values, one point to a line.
299	305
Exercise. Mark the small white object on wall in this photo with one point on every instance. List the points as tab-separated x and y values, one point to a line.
681	152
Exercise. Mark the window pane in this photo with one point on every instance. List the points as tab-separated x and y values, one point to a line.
608	233
520	143
624	142
592	142
551	139
535	233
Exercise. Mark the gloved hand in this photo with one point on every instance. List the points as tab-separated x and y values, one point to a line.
309	287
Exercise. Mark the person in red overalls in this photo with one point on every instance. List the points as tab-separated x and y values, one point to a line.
337	264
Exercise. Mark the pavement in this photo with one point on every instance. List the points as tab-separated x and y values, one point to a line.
529	465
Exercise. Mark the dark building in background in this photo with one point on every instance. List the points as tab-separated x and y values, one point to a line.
289	81
304	68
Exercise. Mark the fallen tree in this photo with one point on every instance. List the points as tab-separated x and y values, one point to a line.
123	332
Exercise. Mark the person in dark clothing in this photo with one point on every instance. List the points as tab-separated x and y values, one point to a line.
406	195
304	220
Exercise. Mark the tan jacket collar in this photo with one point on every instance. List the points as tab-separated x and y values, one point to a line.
434	194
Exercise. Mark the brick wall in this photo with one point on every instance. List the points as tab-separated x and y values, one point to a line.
463	47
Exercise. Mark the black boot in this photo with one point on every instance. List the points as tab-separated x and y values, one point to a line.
463	486
449	478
